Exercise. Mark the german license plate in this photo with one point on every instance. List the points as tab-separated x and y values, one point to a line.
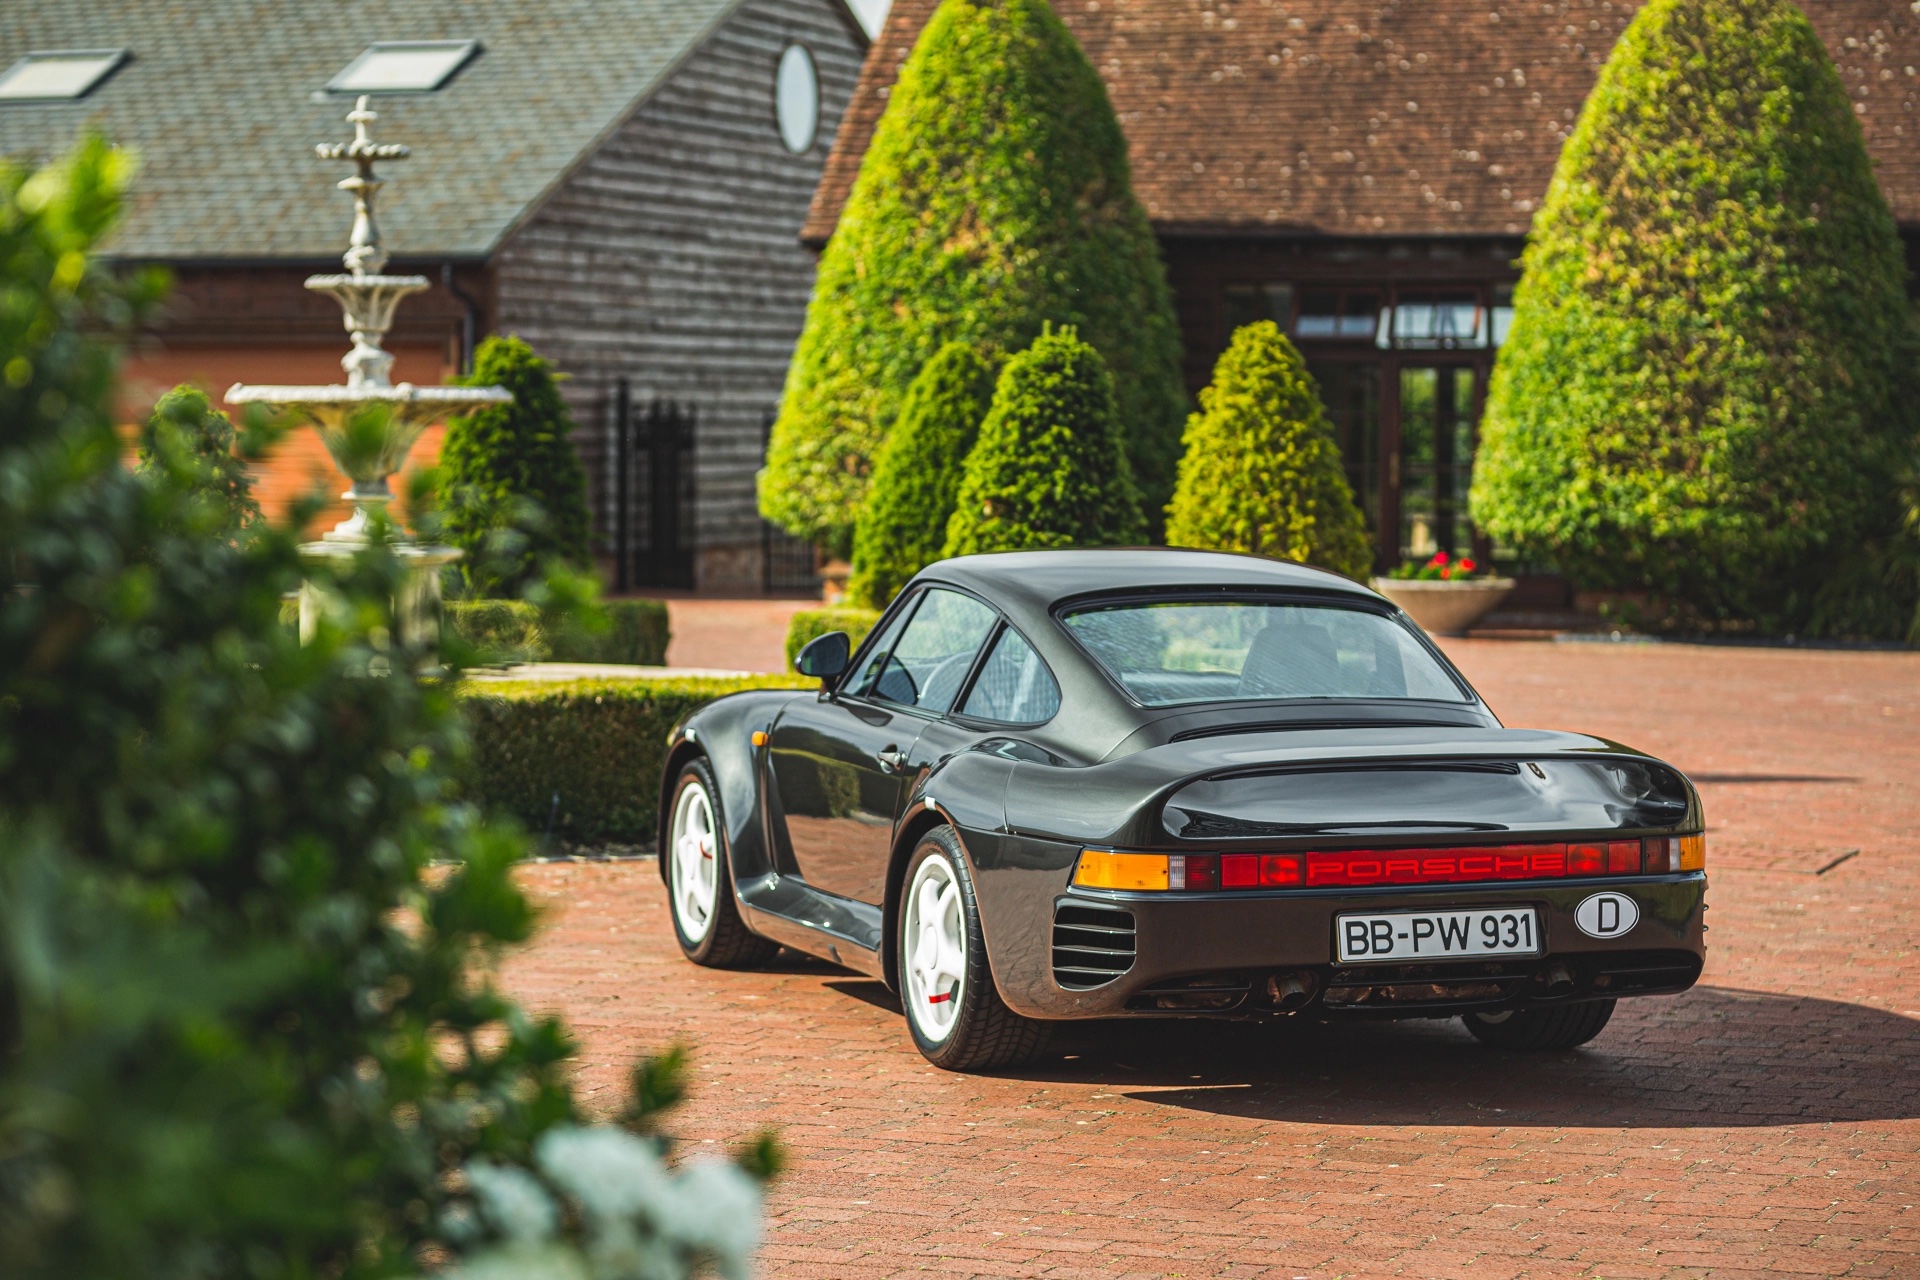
1436	935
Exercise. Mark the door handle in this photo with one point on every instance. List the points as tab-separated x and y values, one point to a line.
892	760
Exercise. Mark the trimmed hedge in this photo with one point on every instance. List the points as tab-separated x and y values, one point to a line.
810	624
514	631
1261	472
996	196
597	745
1048	470
903	522
1707	390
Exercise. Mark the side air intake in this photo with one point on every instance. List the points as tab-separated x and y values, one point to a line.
1091	946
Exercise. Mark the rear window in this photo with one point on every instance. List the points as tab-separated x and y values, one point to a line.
1169	652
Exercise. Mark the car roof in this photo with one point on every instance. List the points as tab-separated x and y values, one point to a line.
1040	579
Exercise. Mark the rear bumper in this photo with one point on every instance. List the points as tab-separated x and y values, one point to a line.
1245	954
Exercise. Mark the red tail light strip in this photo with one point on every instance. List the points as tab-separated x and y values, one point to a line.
1353	867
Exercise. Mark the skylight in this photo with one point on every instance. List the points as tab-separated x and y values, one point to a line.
404	66
58	74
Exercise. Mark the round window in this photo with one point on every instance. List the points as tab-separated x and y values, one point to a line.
796	99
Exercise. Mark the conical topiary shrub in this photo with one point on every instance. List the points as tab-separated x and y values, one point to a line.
1702	393
514	495
1261	472
1048	470
903	522
995	197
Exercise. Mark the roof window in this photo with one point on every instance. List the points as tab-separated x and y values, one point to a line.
58	74
404	66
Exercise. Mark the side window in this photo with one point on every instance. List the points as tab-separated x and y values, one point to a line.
1014	687
873	664
936	651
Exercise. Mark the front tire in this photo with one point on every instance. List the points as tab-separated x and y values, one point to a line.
1562	1028
954	1012
694	855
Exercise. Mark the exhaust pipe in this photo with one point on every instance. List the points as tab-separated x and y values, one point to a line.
1291	992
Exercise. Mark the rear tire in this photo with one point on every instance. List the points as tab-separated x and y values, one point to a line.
695	857
1561	1028
954	1012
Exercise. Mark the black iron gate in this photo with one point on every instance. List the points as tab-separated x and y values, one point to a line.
787	563
653	493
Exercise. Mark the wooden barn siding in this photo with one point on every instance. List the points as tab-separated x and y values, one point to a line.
671	257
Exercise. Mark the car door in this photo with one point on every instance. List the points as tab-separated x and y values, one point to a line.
840	764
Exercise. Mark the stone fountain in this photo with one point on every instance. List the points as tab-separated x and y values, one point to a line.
369	424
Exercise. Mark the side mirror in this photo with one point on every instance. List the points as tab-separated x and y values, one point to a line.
825	657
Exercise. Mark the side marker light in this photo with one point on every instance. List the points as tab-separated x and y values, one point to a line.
759	737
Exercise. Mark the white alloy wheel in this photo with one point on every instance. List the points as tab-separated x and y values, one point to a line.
936	949
696	880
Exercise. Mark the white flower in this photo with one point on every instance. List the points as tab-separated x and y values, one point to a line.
515	1201
524	1262
719	1212
609	1171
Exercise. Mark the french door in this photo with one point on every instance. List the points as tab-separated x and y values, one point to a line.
1407	428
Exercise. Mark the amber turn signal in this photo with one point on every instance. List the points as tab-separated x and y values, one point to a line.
1104	869
1667	854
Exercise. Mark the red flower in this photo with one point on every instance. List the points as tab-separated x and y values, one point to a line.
1439	558
1467	565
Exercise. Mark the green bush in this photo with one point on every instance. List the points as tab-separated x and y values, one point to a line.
809	625
512	493
186	435
244	1033
499	630
1707	388
1261	472
903	522
582	758
635	633
1048	470
995	197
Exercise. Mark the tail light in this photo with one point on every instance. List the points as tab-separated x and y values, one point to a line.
1205	872
1665	854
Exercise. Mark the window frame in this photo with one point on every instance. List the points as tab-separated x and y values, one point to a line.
906	602
1298	597
980	665
468	51
1001	624
115	58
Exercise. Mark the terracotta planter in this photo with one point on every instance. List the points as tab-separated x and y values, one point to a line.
834	575
1445	608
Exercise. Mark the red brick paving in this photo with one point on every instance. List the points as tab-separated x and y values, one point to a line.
1767	1122
730	635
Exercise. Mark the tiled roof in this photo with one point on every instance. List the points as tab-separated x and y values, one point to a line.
1376	117
225	101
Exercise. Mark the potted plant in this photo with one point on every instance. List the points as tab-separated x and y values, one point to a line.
1445	596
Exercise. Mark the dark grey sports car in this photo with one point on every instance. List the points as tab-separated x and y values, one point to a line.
1091	784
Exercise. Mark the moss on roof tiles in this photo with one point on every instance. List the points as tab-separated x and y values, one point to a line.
225	99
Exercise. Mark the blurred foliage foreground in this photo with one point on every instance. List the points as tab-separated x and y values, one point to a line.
241	1033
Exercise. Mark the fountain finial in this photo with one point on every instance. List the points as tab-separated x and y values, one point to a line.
368	298
364	256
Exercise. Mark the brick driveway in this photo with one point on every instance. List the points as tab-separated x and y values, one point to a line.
1768	1121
